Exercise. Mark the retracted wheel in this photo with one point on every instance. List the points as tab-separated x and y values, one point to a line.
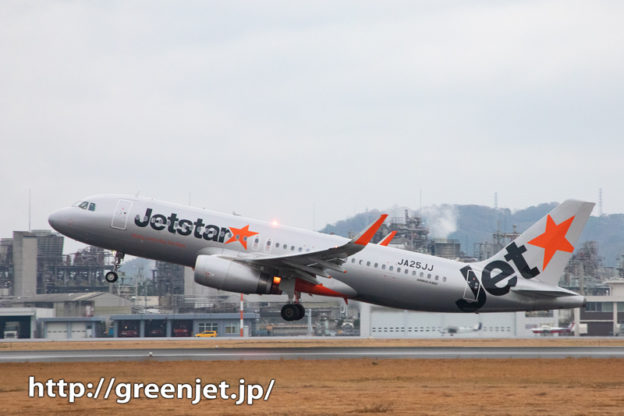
111	277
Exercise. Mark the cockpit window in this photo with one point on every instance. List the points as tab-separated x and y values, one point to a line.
85	205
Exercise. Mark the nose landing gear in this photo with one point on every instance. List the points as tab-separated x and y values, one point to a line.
112	276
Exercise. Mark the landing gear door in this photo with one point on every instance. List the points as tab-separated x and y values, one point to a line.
121	214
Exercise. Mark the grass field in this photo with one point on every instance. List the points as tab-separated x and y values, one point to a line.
307	342
338	387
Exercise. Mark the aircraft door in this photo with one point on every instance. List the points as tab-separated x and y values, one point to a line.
121	213
473	286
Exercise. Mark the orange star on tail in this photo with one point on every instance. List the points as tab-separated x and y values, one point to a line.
241	235
554	239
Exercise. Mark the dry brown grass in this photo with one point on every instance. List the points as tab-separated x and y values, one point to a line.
294	342
337	387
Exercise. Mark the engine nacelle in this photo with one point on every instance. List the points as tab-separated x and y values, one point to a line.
214	271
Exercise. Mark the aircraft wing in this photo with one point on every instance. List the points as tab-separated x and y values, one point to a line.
308	265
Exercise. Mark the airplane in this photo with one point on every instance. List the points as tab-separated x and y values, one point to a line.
244	255
550	330
452	330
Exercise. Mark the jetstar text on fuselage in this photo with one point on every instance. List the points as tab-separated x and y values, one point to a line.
176	225
493	274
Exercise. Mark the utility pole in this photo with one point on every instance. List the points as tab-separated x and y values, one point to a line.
29	209
241	316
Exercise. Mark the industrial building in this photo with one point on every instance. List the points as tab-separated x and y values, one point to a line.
72	327
381	322
20	322
60	315
88	304
604	315
182	325
32	262
412	234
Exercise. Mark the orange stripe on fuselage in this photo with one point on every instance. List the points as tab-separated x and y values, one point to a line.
306	287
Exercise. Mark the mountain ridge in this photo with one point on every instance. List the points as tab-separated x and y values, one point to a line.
470	224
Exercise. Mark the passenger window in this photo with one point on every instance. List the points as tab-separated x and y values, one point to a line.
437	277
300	249
292	248
398	270
360	262
429	276
368	264
352	260
276	245
422	274
376	264
444	278
91	206
383	267
414	273
268	243
391	268
406	271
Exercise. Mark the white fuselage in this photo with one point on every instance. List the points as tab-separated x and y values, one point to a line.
377	274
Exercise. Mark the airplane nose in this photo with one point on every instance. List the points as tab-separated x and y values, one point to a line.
59	220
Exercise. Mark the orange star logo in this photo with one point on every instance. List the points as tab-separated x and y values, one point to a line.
241	235
554	239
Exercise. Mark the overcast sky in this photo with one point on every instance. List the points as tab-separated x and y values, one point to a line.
308	112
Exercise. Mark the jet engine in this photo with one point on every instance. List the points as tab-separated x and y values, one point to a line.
223	274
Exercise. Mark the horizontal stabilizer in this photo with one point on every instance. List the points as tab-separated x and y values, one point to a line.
537	289
543	293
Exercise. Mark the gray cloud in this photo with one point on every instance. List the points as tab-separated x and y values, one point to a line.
270	109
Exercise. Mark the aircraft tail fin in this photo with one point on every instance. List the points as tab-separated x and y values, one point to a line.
544	249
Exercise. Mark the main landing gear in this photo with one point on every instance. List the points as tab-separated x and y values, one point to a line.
293	311
112	276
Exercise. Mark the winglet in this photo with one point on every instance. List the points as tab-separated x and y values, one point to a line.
387	239
366	236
